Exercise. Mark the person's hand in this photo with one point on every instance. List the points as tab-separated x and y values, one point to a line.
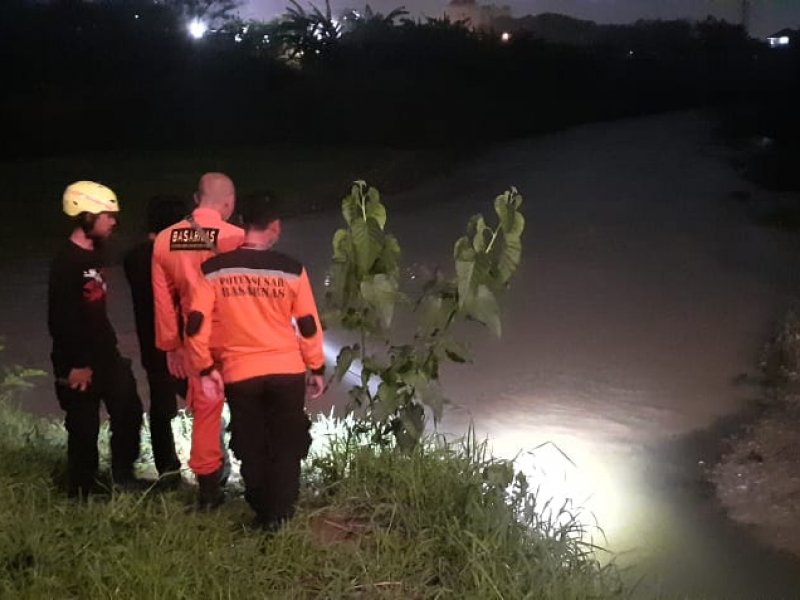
176	363
315	386
80	379
212	385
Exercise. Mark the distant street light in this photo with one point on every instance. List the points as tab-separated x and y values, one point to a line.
197	29
505	37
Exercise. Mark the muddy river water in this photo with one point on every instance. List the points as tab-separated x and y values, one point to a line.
643	296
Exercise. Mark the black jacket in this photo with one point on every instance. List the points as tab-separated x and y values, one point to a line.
138	271
76	310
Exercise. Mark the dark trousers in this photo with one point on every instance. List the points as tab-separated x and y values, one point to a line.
113	384
163	408
270	435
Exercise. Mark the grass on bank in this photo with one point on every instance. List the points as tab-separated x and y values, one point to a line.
439	523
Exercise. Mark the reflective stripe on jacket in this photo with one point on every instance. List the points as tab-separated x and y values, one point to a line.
267	321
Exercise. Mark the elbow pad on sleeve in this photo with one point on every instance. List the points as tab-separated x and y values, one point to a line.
307	326
193	323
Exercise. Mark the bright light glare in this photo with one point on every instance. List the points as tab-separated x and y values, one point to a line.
197	29
569	477
783	40
505	36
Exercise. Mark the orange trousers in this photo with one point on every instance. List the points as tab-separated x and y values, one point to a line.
206	454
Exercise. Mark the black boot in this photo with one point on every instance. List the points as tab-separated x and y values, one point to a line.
123	480
209	492
268	524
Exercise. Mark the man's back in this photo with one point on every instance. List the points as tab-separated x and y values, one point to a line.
257	295
178	252
137	263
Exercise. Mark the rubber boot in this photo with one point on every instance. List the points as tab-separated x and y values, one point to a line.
209	492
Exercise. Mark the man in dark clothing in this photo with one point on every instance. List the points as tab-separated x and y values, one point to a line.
86	362
162	212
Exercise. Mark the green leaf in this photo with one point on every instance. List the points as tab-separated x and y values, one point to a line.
385	403
517	225
350	209
337	292
465	267
483	307
380	292
341	245
454	351
479	239
367	242
390	256
414	378
506	205
509	258
463	250
373	207
343	361
430	314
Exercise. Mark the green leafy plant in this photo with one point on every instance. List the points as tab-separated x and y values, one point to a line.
308	35
398	382
16	378
370	22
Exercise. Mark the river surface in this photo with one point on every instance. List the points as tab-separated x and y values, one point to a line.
643	296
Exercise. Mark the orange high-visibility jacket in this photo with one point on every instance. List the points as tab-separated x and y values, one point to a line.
178	252
258	297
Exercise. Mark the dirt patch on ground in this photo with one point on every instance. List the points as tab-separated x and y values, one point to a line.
758	479
331	527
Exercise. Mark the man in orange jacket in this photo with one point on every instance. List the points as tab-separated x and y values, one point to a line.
269	336
178	252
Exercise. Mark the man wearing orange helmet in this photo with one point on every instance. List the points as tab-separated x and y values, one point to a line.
86	362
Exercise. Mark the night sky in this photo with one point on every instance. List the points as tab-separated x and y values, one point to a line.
766	16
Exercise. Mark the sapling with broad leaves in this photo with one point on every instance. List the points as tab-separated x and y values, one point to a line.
398	381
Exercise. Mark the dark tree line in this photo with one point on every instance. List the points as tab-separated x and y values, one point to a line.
125	74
